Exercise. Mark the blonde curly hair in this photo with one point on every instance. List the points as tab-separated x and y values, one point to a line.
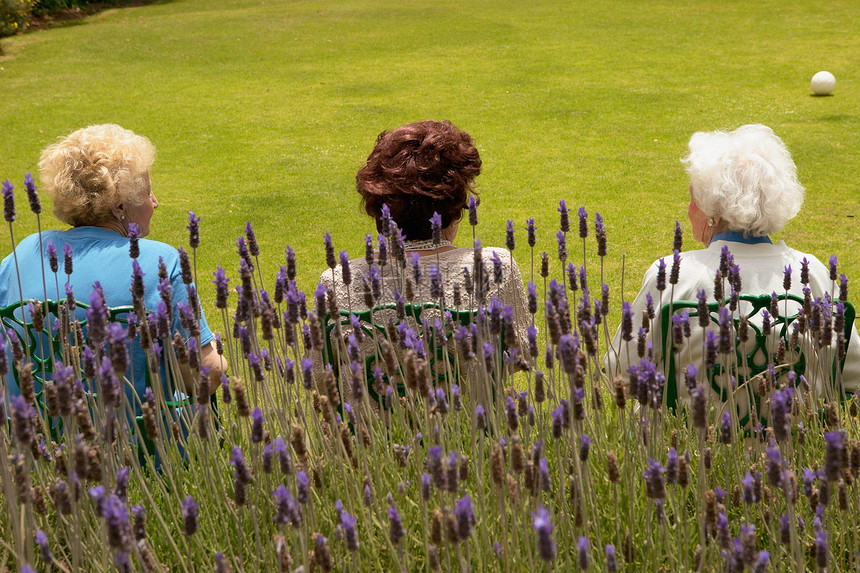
94	170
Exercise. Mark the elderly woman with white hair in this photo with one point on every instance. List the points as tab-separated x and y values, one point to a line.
743	188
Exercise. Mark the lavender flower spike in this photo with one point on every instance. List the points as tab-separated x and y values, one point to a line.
583	223
42	543
611	559
582	546
473	210
133	238
8	202
564	218
436	228
330	259
67	259
30	186
530	232
543	528
600	235
465	513
193	230
189	515
510	241
395	525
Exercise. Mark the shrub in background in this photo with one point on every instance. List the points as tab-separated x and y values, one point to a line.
14	15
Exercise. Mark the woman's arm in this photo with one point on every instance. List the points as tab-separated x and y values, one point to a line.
216	363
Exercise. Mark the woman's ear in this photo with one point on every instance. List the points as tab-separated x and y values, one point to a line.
118	212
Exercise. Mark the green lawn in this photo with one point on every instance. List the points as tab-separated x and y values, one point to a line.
263	111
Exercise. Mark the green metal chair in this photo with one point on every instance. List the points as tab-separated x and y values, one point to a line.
755	348
371	326
45	347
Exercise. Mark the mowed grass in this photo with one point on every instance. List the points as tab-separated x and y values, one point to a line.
263	111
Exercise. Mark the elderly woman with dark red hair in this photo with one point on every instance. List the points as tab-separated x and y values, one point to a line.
417	184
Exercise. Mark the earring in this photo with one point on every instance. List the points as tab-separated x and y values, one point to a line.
711	222
122	218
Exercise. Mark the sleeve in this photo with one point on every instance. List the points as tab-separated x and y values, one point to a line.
180	295
522	318
622	354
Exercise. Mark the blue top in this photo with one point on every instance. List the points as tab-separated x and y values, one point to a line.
97	255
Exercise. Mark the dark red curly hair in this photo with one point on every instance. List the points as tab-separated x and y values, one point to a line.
418	169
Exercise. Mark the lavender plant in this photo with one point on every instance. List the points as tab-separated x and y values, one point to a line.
335	445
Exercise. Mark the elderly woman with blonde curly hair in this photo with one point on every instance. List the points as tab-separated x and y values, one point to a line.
98	179
743	188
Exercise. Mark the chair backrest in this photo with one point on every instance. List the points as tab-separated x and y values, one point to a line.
45	347
374	323
751	359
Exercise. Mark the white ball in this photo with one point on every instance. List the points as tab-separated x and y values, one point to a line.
823	83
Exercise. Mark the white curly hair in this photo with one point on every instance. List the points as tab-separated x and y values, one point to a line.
745	177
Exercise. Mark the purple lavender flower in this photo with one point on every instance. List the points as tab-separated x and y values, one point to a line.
473	210
774	465
350	533
678	238
189	515
611	559
395	525
654	486
821	549
786	278
193	230
42	543
53	261
843	287
833	455
584	448
67	259
543	527
804	271
32	195
562	246
672	467
781	412
582	550
330	259
583	223
133	240
116	518
510	241
21	420
8	202
726	428
286	508
748	484
530	232
544	475
762	562
564	217
436	228
241	476
465	514
661	275
256	426
600	234
480	417
303	482
676	268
